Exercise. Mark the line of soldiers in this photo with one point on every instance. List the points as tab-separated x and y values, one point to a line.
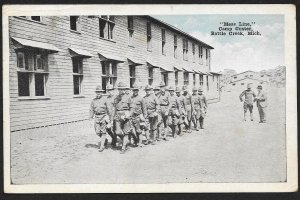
129	116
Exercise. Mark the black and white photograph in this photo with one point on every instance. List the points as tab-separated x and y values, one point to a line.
170	99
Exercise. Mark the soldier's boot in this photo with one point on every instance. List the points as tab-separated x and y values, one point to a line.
125	142
251	115
189	127
201	120
147	136
102	142
153	139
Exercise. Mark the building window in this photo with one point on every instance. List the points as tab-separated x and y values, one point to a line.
130	30
207	83
175	46
109	73
149	37
200	51
185	49
75	23
33	18
201	80
194	79
77	75
32	73
163	41
165	78
207	54
193	49
132	75
106	26
176	78
150	75
185	78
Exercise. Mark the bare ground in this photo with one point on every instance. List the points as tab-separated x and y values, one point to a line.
228	150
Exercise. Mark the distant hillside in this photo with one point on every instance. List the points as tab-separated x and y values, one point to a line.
277	76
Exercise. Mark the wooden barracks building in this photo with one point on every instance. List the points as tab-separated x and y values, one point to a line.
57	61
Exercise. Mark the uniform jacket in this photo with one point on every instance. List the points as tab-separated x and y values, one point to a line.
152	103
138	106
249	96
181	100
110	103
99	106
261	99
174	104
196	101
203	102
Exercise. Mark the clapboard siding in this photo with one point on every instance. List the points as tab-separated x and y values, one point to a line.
62	106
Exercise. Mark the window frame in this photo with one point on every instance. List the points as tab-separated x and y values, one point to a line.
132	75
30	69
109	26
130	28
186	78
176	78
163	41
77	23
111	73
150	75
78	74
149	36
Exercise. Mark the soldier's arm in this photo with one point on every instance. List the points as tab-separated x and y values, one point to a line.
205	101
178	106
144	108
241	95
91	110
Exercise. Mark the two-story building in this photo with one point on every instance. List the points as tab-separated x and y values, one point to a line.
57	61
239	82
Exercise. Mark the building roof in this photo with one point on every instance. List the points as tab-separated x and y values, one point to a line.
248	78
245	72
179	31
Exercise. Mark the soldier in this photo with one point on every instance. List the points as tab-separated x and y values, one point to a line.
188	107
163	99
174	112
122	115
261	102
203	107
159	117
181	100
152	106
100	111
195	101
110	100
248	102
138	113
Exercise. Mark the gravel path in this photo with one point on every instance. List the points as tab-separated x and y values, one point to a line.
228	150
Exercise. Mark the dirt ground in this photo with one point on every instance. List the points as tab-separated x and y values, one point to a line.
228	150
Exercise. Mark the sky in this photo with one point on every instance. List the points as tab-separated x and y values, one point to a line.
237	52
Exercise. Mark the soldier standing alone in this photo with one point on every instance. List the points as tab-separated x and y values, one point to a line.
100	111
248	102
163	99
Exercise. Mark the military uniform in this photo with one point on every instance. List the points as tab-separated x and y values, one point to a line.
100	111
174	113
203	107
164	103
110	102
261	102
153	109
248	102
188	109
138	114
196	105
160	125
122	115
